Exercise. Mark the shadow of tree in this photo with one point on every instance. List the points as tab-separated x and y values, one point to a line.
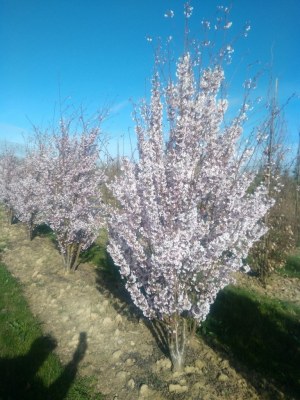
110	283
19	378
160	334
44	231
261	339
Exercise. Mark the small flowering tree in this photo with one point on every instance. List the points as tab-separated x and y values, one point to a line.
72	180
28	191
9	167
186	219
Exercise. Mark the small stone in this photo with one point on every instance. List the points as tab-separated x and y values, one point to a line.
132	343
129	362
199	364
223	378
225	364
34	274
117	354
117	332
121	375
118	319
106	321
131	384
101	309
177	388
105	303
163	364
190	370
199	385
177	374
182	382
94	316
145	391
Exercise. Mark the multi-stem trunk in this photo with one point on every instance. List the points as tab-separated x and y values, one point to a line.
177	342
71	256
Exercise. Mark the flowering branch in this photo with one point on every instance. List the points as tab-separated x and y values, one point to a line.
186	219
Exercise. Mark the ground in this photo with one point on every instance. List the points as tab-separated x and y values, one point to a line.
123	353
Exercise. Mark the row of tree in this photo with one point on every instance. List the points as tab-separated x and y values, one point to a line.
277	166
57	183
185	213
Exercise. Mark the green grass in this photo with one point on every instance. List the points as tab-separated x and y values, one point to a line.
292	267
44	230
260	332
28	367
98	255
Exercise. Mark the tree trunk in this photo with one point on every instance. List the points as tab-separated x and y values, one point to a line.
71	256
177	343
10	215
31	228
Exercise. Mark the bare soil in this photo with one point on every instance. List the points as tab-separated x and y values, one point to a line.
123	352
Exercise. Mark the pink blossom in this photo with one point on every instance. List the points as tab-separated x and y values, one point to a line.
186	219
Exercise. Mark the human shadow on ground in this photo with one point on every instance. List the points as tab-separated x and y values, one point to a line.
19	375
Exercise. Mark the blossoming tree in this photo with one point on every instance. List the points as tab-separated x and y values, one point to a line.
9	165
72	180
27	187
186	219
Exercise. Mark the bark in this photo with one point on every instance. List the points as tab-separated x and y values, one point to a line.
71	256
177	343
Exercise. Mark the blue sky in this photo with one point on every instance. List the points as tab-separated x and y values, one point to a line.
95	52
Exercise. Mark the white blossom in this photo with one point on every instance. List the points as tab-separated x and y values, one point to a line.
169	14
186	220
228	25
188	10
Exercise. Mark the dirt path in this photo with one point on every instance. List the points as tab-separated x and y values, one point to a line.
122	353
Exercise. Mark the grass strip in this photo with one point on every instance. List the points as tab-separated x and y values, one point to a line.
292	267
261	332
28	367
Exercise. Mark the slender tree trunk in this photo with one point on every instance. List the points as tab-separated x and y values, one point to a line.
71	256
177	342
76	258
10	216
31	228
